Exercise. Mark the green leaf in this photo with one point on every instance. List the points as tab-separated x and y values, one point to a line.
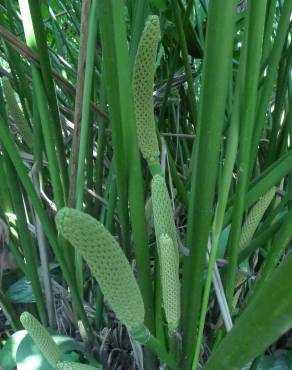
29	357
20	292
45	11
8	353
265	319
223	242
158	4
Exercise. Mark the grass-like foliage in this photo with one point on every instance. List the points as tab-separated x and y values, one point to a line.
146	187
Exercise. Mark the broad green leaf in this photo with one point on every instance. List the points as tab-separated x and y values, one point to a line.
29	357
264	320
8	353
21	292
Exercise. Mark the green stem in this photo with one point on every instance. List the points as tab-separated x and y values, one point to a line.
116	70
101	148
184	49
216	68
78	102
280	241
275	56
254	41
90	55
259	241
40	45
21	170
48	138
140	12
267	179
10	312
80	181
231	152
155	346
26	241
125	144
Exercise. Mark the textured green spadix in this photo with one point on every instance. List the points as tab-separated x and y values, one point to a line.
254	217
162	211
107	262
249	227
16	113
42	338
143	76
169	270
82	331
66	365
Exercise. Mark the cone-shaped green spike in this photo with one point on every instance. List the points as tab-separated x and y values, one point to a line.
162	211
169	270
107	262
254	217
249	227
82	331
16	113
42	338
143	76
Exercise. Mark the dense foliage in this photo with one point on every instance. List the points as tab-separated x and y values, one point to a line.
154	137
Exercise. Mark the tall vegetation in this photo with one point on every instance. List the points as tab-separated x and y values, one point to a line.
154	137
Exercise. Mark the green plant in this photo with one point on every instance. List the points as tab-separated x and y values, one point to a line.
101	251
162	212
112	271
18	117
249	227
169	269
254	217
42	338
143	73
159	132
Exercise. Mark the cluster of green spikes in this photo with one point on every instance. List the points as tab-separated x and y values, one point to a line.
99	248
165	230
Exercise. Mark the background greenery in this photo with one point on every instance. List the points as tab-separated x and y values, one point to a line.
222	107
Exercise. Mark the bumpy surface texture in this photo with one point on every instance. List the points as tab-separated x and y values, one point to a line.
107	262
169	270
82	331
15	112
254	217
42	338
248	229
65	365
143	76
162	211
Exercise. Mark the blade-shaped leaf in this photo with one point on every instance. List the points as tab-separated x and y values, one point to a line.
267	317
